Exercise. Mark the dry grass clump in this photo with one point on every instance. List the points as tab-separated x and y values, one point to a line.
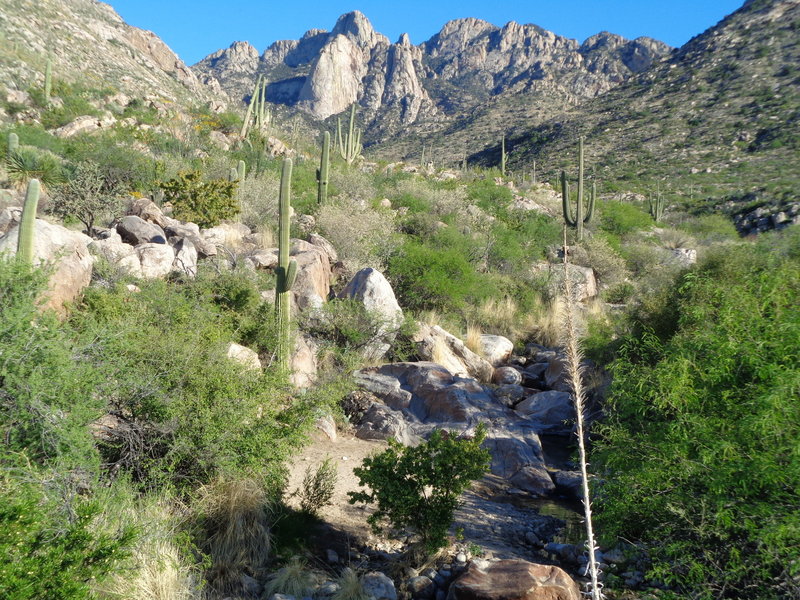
473	339
234	530
546	329
158	570
350	587
295	579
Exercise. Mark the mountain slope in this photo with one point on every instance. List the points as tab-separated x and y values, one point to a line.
718	119
90	43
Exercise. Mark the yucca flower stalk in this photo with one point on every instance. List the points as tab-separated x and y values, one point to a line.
574	371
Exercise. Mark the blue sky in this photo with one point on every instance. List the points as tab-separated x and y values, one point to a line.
196	28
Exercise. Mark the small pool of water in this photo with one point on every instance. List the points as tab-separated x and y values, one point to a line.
571	512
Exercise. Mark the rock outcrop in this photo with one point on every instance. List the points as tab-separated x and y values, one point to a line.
514	580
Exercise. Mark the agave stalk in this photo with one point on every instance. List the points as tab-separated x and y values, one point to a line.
503	156
253	101
287	269
574	371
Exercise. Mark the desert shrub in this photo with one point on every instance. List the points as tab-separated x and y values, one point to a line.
352	186
363	236
421	196
620	218
206	203
711	228
86	196
699	455
121	166
489	196
426	277
48	550
258	201
318	485
46	399
418	488
597	253
174	398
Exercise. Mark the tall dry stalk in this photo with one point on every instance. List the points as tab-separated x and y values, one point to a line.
573	359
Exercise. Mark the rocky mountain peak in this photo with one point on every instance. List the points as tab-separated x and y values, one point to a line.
404	40
355	26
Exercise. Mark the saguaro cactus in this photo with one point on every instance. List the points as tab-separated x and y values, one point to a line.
13	144
350	144
257	108
578	220
322	172
241	170
28	223
656	207
287	269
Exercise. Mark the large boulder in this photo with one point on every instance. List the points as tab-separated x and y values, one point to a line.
244	356
496	349
551	412
437	345
67	251
312	286
228	235
156	260
370	288
513	580
147	210
9	217
185	258
379	586
382	423
135	230
177	231
303	362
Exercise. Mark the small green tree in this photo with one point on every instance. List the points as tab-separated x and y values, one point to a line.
418	488
206	203
86	195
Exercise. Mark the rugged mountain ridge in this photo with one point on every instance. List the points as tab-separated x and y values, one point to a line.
466	64
719	118
89	42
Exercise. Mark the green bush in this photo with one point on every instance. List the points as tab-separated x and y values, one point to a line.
86	196
187	412
206	203
47	397
418	488
426	278
700	458
52	552
620	218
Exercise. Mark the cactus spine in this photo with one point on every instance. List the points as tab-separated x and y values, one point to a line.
286	271
350	144
578	220
28	223
48	80
656	207
322	172
13	144
503	156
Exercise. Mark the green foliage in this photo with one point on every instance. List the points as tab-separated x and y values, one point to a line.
47	551
700	457
28	163
188	413
318	485
418	488
47	398
620	218
86	196
206	203
424	277
713	227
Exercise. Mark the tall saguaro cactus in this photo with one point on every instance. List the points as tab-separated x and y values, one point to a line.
28	223
287	269
350	144
322	172
578	219
656	207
